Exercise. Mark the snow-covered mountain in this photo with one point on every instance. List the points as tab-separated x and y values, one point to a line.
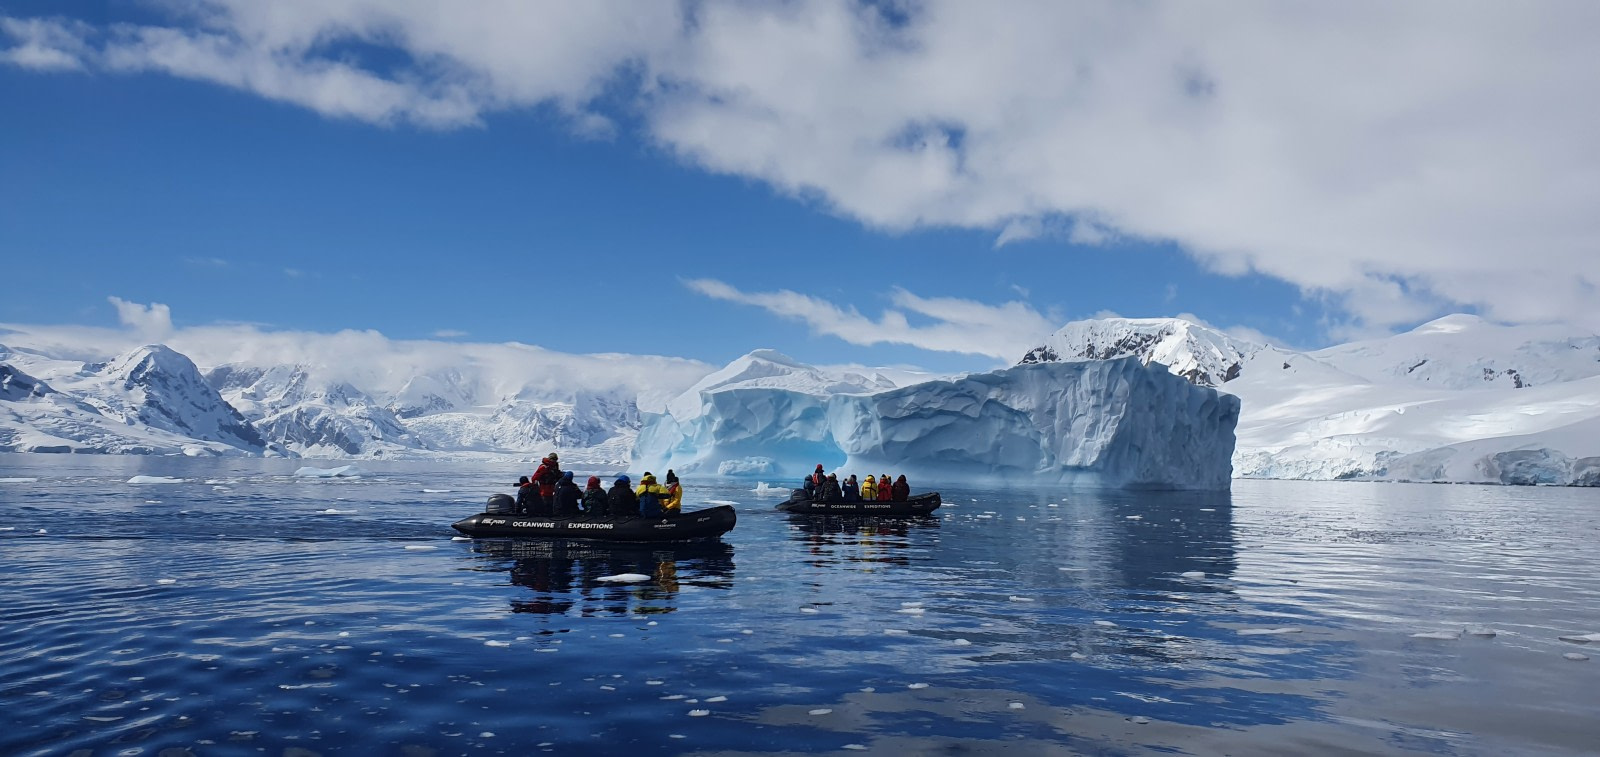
1100	422
1456	399
148	400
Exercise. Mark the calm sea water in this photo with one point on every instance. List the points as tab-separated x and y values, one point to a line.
246	611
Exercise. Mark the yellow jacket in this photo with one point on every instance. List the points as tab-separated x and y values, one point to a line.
673	502
649	485
869	489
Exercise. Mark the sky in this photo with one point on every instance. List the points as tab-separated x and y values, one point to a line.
931	184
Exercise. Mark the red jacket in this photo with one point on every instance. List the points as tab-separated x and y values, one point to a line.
885	492
548	475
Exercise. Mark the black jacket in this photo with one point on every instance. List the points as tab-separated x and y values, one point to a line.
901	489
595	503
568	495
529	502
852	491
622	501
829	492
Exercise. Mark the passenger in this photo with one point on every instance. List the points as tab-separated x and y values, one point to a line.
594	499
565	502
548	475
869	488
621	503
902	490
651	495
852	491
830	489
673	503
527	496
885	491
817	477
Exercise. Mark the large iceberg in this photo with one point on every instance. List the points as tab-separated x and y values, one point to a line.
1086	422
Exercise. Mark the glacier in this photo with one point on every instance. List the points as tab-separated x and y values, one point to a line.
1114	423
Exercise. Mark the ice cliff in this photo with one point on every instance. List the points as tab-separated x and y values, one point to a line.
1113	423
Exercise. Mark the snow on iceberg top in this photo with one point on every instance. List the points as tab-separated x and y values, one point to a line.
771	369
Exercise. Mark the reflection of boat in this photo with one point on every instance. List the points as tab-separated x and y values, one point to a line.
920	504
690	526
563	575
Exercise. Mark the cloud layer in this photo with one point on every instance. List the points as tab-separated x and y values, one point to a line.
1395	159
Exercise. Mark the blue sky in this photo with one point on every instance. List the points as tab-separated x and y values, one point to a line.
575	212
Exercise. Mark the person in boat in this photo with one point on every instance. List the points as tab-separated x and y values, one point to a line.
528	500
852	490
565	502
621	503
594	499
885	490
901	489
869	488
651	494
547	476
673	503
830	491
814	481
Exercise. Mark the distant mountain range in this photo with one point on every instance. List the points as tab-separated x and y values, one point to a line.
1456	399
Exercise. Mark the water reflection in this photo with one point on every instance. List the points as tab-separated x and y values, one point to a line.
829	539
563	575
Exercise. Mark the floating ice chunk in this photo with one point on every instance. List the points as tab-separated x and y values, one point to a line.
1016	706
1139	719
8	528
1052	504
716	699
1194	574
435	491
332	511
699	713
1266	631
896	631
460	538
1582	638
1079	656
724	641
910	604
1105	624
1015	598
166	580
1483	631
1440	635
809	610
654	683
868	689
762	490
547	649
721	502
343	471
1579	656
673	696
911	610
676	736
40	532
1208	509
17	480
916	686
624	578
855	747
486	735
154	480
820	711
420	547
495	643
616	635
1135	517
747	632
961	643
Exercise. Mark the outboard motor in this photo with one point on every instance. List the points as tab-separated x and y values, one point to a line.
501	504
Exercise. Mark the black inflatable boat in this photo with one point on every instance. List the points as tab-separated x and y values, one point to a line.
917	504
696	525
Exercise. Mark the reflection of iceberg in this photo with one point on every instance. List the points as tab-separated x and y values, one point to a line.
343	471
1110	423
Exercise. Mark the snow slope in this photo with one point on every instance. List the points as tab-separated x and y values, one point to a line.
1110	423
1438	403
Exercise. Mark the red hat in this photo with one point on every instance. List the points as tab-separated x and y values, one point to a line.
594	481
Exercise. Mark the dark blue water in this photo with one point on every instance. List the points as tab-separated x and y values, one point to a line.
231	614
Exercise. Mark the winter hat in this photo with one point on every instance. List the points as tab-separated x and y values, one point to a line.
623	479
522	481
594	482
567	476
672	478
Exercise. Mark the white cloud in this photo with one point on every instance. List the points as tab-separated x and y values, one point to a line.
149	322
1393	158
961	326
449	334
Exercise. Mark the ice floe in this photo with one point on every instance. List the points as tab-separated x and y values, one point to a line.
961	643
855	747
1482	631
911	610
1581	638
809	610
820	711
1016	706
460	538
155	480
1079	656
496	643
624	578
420	547
1578	656
721	502
762	490
1105	624
332	511
699	713
1015	598
1139	720
1194	574
712	700
896	631
1266	631
916	686
344	471
17	480
435	491
166	580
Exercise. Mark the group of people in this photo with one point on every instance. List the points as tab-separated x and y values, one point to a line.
551	492
826	487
